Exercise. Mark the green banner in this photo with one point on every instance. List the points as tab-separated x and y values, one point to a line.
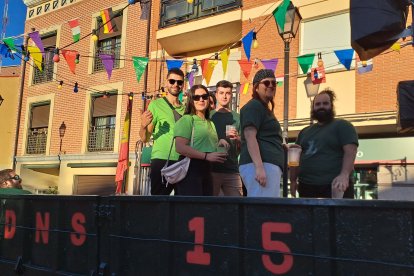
140	63
305	62
280	14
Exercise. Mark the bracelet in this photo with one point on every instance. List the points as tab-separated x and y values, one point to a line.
205	155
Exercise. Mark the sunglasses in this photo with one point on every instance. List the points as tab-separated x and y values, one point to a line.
179	82
268	82
198	97
16	177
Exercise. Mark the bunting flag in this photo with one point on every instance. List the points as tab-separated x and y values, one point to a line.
280	80
364	66
305	62
145	9
5	51
10	43
280	14
121	177
140	63
108	62
224	56
38	42
191	79
174	63
395	47
109	25
318	75
345	57
246	67
270	63
207	67
36	56
245	88
70	56
74	25
247	44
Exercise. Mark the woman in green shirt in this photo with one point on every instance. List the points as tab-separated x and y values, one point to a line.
202	151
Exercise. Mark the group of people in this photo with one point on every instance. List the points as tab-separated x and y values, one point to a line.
228	149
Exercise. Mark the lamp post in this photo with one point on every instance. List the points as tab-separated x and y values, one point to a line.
62	130
287	33
1	99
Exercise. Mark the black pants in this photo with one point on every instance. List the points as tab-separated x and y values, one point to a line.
157	187
198	181
322	191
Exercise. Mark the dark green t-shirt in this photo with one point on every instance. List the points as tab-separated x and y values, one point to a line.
13	191
322	151
163	121
269	134
205	136
221	120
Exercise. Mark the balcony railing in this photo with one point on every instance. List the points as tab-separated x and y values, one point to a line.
108	49
101	138
179	11
36	141
46	74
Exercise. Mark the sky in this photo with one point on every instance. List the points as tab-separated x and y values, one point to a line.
17	17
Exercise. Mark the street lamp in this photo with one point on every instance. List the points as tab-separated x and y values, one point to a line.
287	33
62	130
1	99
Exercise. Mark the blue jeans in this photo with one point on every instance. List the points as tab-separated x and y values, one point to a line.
254	189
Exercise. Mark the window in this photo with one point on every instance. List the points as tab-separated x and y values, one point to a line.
326	35
108	43
102	125
37	135
49	43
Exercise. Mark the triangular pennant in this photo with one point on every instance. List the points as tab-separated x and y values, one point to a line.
37	41
5	51
74	25
174	63
191	79
247	44
305	62
280	80
280	14
246	67
270	63
365	66
10	43
345	57
36	56
108	63
207	67
224	56
140	63
70	56
145	9
395	47
245	88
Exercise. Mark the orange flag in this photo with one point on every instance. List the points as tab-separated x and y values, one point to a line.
70	56
122	169
207	67
246	67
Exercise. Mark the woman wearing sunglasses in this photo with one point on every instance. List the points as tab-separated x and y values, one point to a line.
261	156
205	141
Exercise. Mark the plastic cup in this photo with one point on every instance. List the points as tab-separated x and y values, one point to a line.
294	156
221	149
229	130
337	193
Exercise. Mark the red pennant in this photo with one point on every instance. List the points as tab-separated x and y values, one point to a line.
207	67
246	67
70	56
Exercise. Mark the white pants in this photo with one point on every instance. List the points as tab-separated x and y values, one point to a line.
254	189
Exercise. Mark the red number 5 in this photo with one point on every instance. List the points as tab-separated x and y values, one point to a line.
275	227
198	256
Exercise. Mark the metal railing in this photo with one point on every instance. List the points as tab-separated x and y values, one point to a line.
101	138
46	74
179	11
116	51
36	141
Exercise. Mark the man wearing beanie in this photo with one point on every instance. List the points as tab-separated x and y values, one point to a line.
261	156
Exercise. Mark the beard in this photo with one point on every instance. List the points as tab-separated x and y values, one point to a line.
323	115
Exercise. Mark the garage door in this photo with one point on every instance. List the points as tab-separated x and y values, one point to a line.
94	185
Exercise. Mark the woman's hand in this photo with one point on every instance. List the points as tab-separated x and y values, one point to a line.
224	143
261	176
218	157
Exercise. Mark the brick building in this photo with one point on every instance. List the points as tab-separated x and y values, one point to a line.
189	31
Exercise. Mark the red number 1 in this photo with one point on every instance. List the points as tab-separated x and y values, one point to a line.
198	256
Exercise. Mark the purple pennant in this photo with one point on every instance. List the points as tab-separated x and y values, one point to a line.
270	63
108	63
191	79
38	41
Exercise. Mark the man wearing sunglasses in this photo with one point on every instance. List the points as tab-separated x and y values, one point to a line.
159	121
11	183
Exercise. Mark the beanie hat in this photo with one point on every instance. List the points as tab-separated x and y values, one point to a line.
263	74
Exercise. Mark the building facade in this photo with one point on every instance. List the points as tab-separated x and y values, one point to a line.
85	158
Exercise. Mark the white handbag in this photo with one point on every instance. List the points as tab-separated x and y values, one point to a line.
177	171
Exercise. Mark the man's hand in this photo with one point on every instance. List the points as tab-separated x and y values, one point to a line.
146	118
341	182
261	176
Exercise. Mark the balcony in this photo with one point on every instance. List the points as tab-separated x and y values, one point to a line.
101	138
218	20
36	141
32	3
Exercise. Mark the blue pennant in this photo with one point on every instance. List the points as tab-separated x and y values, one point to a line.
345	57
174	63
247	44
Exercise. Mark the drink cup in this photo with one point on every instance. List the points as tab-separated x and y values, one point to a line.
294	155
337	193
221	149
230	130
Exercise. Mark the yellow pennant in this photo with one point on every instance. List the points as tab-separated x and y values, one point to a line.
36	55
245	88
224	55
396	47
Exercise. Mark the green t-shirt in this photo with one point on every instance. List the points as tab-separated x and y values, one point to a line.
322	151
205	136
220	120
13	191
269	134
163	121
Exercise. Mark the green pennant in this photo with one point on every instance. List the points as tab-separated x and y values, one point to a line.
10	43
140	63
280	14
305	62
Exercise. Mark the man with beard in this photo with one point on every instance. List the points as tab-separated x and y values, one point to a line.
11	183
329	148
159	121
